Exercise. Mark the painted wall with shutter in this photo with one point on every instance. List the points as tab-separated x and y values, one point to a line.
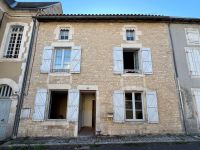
118	60
76	59
147	66
196	93
40	105
46	59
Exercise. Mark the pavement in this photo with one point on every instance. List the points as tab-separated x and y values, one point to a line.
106	142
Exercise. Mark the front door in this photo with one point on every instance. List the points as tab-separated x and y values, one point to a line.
4	114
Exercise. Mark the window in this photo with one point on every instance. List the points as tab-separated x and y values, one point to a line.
193	58
130	35
131	61
133	106
64	34
15	38
61	61
58	105
193	36
5	91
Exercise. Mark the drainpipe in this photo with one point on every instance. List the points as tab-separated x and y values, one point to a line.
2	19
177	80
22	93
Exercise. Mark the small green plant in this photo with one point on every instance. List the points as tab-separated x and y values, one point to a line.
38	147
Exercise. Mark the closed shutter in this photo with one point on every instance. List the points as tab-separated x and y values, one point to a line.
73	105
193	36
46	60
146	61
40	104
193	58
118	106
118	60
152	108
197	99
76	59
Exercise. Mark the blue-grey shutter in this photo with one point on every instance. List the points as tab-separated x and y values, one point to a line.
40	104
73	105
118	107
146	61
46	60
118	60
152	107
76	59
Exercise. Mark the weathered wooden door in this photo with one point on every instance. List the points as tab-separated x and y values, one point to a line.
4	114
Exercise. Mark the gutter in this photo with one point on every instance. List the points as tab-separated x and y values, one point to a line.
177	81
22	93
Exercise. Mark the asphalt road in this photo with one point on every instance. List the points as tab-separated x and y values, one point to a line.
154	146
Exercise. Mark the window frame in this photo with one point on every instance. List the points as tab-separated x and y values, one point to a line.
139	60
133	106
133	36
187	31
6	91
59	36
54	59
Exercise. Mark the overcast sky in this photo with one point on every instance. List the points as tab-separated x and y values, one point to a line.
182	8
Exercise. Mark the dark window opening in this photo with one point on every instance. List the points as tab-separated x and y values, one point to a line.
64	34
58	105
131	61
130	35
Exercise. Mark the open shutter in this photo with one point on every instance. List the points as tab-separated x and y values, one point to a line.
76	59
197	99
46	60
118	60
152	108
73	105
40	103
118	106
193	36
146	61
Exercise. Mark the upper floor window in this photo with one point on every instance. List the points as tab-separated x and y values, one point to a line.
5	91
64	34
15	39
61	62
192	36
130	35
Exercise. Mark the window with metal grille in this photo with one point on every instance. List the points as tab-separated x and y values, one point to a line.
61	62
133	106
130	35
64	34
5	91
193	59
15	39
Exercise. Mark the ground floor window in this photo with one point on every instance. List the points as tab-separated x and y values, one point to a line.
133	106
58	105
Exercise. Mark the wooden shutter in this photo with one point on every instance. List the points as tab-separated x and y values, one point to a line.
76	59
40	104
152	108
46	60
118	106
146	61
193	59
118	60
197	100
73	105
193	36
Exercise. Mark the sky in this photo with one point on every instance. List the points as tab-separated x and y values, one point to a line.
178	8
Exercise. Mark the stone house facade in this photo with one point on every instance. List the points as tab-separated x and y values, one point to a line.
101	74
16	28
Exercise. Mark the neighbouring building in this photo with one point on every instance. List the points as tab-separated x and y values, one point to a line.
186	44
101	74
16	29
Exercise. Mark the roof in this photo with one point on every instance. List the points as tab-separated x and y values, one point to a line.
118	17
28	5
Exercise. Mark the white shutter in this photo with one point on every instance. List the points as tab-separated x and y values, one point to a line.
118	106
146	61
193	59
76	59
152	108
40	103
193	36
46	60
197	99
118	60
73	105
